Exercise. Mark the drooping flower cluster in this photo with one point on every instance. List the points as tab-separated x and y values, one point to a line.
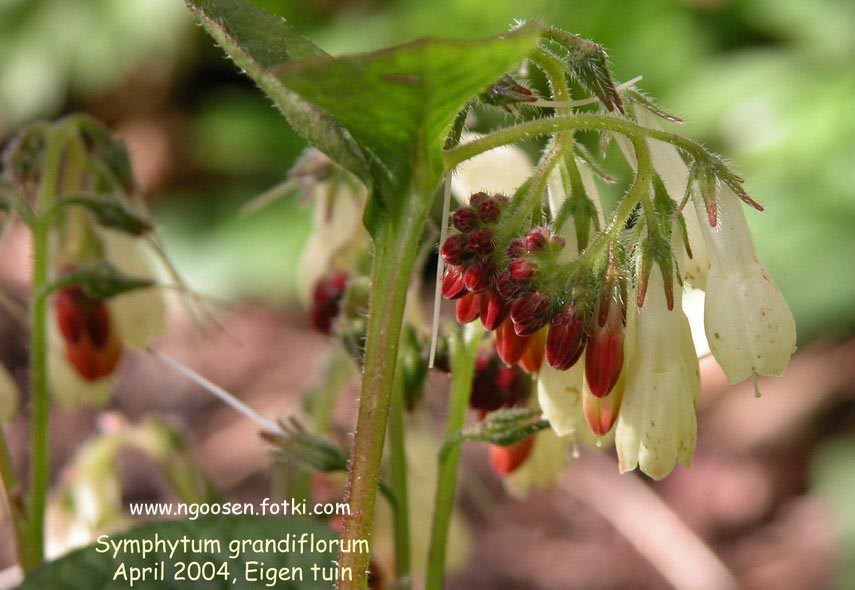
609	362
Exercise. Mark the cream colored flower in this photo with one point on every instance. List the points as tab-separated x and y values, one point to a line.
674	173
500	170
657	425
338	227
749	326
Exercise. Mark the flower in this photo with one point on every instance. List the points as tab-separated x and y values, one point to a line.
500	170
749	326
338	229
560	396
674	174
77	370
656	426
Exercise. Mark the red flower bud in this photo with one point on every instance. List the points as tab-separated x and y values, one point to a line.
567	338
478	277
464	219
521	270
481	242
326	300
601	413
477	198
507	287
530	313
495	385
454	250
505	460
536	239
509	345
516	249
468	307
604	360
494	309
532	358
452	283
91	344
489	211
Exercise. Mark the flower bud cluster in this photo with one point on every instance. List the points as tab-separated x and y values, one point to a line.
508	289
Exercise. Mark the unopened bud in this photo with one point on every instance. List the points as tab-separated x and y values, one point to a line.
509	345
452	283
494	309
532	358
91	344
326	301
454	250
489	211
521	270
604	360
464	219
566	339
477	277
505	460
468	307
530	313
481	242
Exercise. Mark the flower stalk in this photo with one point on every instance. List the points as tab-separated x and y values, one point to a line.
463	355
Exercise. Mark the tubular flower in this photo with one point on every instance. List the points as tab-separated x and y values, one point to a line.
87	335
500	170
674	174
601	413
656	426
560	396
749	326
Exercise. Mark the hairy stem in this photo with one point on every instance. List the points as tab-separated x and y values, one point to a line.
549	125
398	483
463	355
396	245
40	450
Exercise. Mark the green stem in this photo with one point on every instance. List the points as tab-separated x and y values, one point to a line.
396	244
398	483
40	460
549	125
463	355
12	492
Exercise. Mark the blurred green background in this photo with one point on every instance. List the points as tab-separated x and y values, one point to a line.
766	82
769	83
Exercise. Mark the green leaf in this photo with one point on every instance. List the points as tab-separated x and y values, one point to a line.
399	103
87	569
258	41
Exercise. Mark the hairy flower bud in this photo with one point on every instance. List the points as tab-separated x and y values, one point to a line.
507	287
749	326
464	219
567	338
509	345
454	250
481	242
505	460
530	313
521	270
494	309
326	301
496	385
468	307
478	276
536	239
601	412
489	211
91	343
604	359
532	358
516	248
452	283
